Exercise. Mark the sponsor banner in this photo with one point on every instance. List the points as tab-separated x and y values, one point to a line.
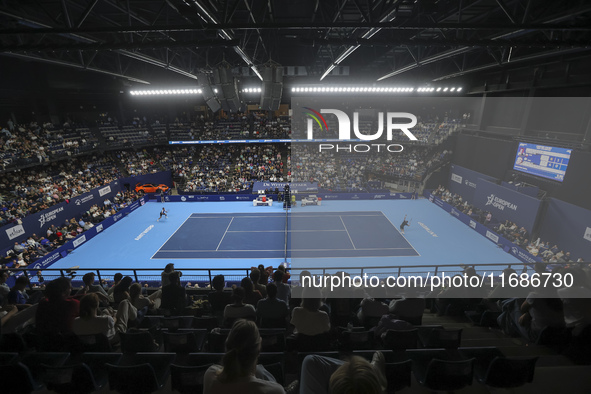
80	240
259	141
84	199
38	222
463	181
507	245
492	236
505	204
324	196
569	227
364	196
297	187
15	232
104	191
49	259
456	178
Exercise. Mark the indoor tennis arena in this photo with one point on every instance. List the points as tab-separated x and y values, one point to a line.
314	197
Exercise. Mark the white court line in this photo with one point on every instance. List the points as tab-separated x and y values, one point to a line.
169	238
273	250
297	215
225	232
350	239
279	231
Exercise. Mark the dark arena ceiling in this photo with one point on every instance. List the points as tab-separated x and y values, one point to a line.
370	41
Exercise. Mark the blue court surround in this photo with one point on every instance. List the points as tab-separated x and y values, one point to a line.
309	235
436	236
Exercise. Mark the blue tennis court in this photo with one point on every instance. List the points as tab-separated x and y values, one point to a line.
265	235
236	235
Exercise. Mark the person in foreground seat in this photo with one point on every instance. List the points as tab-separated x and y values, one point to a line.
325	375
239	372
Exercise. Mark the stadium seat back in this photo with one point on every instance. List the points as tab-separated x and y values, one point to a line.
448	375
187	379
398	340
508	372
133	379
398	375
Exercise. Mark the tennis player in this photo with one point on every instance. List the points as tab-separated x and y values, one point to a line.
162	213
404	224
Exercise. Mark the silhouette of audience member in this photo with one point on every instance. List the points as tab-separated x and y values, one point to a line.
218	298
56	313
239	372
283	290
324	375
286	275
264	279
140	301
92	322
121	291
238	309
251	296
116	279
90	287
255	276
174	297
272	310
308	319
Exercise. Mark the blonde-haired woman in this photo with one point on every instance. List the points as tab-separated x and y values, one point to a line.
239	372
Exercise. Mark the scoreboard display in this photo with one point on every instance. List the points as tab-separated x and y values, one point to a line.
544	161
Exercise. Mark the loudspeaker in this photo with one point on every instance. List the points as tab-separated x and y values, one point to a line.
272	88
227	90
208	94
214	105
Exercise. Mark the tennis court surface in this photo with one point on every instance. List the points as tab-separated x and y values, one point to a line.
308	235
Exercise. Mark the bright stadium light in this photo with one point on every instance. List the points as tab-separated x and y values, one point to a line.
459	89
164	92
364	89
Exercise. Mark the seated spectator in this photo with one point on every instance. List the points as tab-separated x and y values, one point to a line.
4	289
529	318
218	298
238	309
309	319
239	372
370	310
116	279
121	291
255	276
90	287
90	322
140	302
324	375
174	296
576	300
409	306
168	270
272	309
17	295
264	278
251	296
56	313
286	275
283	290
